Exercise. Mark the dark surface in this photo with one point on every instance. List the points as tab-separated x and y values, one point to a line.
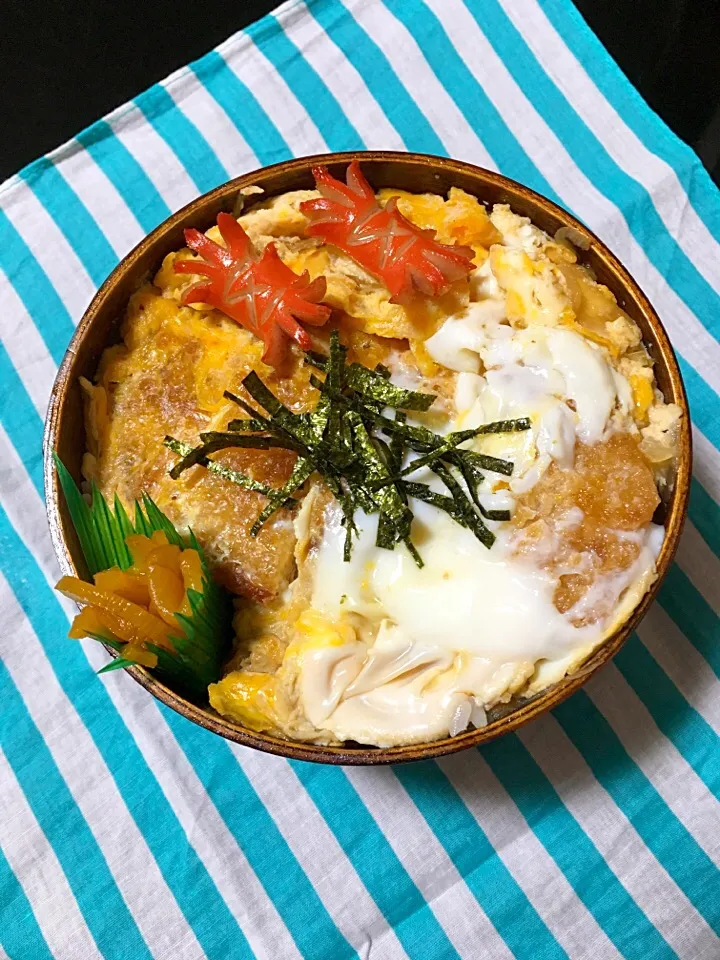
66	63
63	65
669	50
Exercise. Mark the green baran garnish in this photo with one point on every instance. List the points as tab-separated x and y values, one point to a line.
358	451
202	642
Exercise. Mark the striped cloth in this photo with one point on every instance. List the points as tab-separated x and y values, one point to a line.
127	832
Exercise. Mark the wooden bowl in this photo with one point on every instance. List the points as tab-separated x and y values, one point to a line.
65	431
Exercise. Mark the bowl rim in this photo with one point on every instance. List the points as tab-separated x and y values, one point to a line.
525	712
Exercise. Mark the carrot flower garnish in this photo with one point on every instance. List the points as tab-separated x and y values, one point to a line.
406	258
258	291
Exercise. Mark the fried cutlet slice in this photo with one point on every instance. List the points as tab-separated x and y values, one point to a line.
168	377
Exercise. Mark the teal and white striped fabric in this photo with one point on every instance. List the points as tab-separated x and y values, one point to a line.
125	831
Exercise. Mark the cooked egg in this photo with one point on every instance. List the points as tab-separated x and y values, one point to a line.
470	627
377	649
466	629
390	653
464	625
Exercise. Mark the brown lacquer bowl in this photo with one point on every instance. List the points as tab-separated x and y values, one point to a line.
65	430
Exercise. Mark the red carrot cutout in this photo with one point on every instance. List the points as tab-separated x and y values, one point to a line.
260	292
406	258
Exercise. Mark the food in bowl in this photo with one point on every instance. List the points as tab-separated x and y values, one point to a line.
415	439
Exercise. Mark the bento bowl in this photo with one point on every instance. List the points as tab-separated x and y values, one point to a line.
99	328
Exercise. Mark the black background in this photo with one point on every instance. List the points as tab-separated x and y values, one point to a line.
64	64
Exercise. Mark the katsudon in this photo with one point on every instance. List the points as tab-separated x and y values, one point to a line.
417	442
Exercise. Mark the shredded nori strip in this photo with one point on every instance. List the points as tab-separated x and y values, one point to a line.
420	438
314	359
326	418
395	515
262	394
247	426
413	551
214	440
501	426
464	506
342	440
241	479
255	414
302	470
374	385
483	462
473	479
397	445
348	509
444	451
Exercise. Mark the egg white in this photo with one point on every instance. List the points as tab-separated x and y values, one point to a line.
388	653
441	644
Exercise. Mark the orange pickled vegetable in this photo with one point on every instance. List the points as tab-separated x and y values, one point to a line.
141	547
92	621
165	581
133	621
121	629
138	654
165	555
191	570
137	606
86	622
124	583
167	592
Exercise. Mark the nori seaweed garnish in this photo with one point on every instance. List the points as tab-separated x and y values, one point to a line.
360	452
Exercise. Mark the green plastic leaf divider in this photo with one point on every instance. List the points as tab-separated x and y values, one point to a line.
203	638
